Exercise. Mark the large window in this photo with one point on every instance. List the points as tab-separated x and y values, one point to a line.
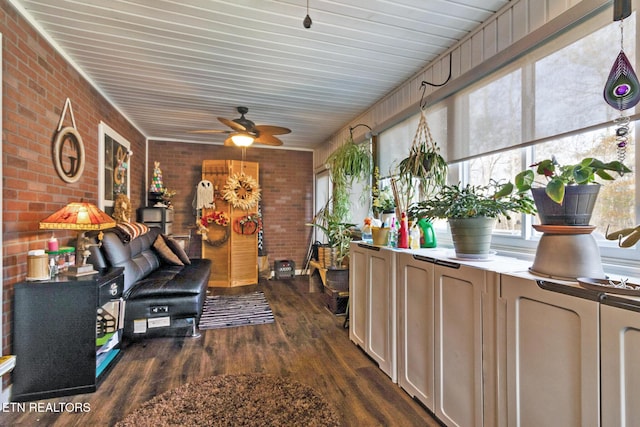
546	103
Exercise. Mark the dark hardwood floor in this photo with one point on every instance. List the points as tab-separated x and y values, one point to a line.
306	343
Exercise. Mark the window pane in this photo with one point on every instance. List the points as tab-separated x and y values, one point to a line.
394	143
495	116
501	167
569	83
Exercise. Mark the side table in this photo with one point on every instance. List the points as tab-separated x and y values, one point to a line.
66	333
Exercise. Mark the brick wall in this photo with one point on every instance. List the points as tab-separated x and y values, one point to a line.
286	182
36	83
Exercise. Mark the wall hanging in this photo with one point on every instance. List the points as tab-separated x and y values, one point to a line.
242	191
68	148
114	158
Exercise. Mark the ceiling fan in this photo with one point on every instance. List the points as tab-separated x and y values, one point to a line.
244	132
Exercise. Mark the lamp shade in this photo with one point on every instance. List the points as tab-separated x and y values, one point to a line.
242	139
79	216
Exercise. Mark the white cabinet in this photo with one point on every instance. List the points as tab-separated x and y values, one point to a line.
620	375
552	355
416	326
447	337
372	299
459	344
358	277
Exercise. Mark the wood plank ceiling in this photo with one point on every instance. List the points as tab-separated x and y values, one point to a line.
172	66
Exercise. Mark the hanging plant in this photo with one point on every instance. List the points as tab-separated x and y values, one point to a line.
241	191
348	163
424	164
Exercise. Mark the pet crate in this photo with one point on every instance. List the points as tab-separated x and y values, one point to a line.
284	269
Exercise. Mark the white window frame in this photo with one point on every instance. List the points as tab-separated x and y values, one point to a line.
104	131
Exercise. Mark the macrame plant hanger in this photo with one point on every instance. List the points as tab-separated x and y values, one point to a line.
622	89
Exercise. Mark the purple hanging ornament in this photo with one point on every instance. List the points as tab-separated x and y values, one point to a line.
622	90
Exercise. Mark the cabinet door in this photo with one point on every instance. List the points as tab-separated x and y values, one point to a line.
458	335
380	341
416	355
620	339
54	339
357	294
553	365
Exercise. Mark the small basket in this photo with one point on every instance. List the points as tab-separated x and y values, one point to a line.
380	236
324	256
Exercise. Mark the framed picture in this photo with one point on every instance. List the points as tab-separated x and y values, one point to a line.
114	178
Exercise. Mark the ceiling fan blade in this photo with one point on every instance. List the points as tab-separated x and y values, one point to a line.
266	139
233	125
272	130
210	131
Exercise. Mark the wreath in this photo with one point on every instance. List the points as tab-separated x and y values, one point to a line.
214	218
248	224
242	191
217	217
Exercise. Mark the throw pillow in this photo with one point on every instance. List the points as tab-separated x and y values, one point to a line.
165	253
175	246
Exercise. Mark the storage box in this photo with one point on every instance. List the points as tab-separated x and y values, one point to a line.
338	279
155	215
284	268
336	301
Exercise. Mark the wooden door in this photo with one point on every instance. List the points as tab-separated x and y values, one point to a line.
233	249
243	255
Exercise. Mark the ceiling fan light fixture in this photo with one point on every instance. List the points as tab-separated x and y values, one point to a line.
242	139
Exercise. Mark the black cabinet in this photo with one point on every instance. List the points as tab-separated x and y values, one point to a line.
66	334
157	217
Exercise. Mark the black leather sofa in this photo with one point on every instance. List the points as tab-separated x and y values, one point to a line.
159	297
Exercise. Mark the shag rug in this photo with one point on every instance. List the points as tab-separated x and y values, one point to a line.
226	311
236	400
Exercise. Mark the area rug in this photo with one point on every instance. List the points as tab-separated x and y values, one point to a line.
226	311
236	400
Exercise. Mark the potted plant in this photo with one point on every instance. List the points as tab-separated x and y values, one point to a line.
338	235
471	212
568	193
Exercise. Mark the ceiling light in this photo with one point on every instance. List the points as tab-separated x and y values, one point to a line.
307	19
242	139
